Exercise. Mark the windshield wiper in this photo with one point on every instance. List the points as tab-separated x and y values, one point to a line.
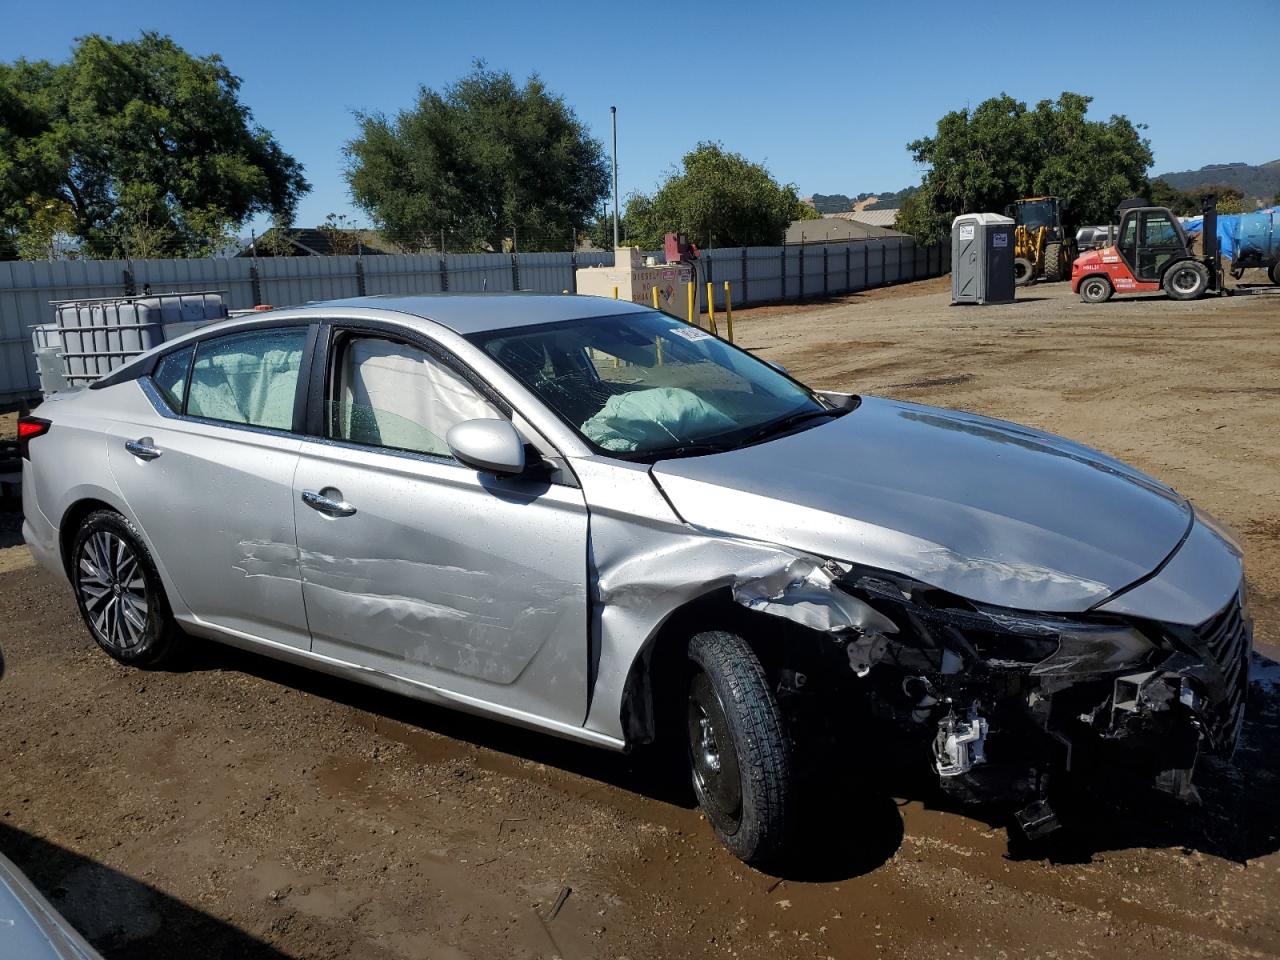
785	423
687	450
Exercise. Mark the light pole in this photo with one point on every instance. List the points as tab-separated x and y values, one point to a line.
613	113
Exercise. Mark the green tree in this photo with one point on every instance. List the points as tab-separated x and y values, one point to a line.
48	233
805	212
1230	199
485	161
600	233
986	158
718	199
148	147
1182	202
341	232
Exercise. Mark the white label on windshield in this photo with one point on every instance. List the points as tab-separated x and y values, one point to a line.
691	333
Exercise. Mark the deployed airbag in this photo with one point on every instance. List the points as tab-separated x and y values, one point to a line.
656	417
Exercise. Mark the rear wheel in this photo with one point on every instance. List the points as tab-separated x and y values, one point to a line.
1023	269
119	593
1275	273
1186	280
1095	290
1053	262
739	751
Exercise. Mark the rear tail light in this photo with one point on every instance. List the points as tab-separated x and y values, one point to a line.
28	429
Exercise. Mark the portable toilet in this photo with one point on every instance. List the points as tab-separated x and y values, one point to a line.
982	258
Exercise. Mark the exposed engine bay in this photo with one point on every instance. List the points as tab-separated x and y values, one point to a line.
1006	703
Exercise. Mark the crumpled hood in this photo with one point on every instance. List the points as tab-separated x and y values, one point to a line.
985	509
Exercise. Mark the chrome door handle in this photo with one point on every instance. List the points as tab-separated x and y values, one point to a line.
327	505
142	449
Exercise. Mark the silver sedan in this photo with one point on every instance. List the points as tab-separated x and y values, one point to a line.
586	517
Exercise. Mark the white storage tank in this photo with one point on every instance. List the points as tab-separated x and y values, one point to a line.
97	336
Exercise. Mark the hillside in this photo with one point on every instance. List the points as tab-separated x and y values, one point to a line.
831	203
1260	182
840	203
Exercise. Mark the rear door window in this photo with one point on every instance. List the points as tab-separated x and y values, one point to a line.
249	378
170	377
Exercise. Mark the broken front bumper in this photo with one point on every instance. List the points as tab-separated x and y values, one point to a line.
1008	701
1142	727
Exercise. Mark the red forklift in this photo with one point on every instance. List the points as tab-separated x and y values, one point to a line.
1151	253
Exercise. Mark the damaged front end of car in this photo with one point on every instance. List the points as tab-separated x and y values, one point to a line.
1010	703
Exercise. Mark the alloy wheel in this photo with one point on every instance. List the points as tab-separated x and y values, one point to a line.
113	589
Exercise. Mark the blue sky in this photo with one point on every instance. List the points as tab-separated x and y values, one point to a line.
826	94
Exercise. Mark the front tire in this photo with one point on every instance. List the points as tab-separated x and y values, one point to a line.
1186	280
1095	290
119	593
739	750
1275	273
1053	262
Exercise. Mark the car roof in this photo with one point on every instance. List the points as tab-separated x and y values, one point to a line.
468	313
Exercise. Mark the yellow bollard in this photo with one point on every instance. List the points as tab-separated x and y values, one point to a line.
693	314
616	362
711	309
654	290
728	310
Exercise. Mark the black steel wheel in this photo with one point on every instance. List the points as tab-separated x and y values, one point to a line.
1095	290
1275	273
739	751
1186	280
1023	271
119	593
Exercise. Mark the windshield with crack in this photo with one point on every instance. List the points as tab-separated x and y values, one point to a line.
643	385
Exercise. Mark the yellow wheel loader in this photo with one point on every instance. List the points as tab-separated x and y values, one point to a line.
1042	247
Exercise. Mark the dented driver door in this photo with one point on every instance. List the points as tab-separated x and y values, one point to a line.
420	567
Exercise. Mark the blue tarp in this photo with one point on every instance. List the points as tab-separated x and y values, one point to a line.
1257	232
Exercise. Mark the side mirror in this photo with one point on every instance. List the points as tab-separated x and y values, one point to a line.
489	445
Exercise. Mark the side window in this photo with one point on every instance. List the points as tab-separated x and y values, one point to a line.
1130	232
1159	231
170	377
388	394
249	378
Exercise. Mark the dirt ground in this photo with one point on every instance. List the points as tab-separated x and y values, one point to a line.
242	808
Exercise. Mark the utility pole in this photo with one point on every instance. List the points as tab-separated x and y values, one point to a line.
613	113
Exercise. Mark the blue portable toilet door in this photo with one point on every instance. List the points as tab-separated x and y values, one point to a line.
999	286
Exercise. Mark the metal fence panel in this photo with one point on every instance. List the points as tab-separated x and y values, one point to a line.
764	275
289	281
547	272
404	275
476	272
179	276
